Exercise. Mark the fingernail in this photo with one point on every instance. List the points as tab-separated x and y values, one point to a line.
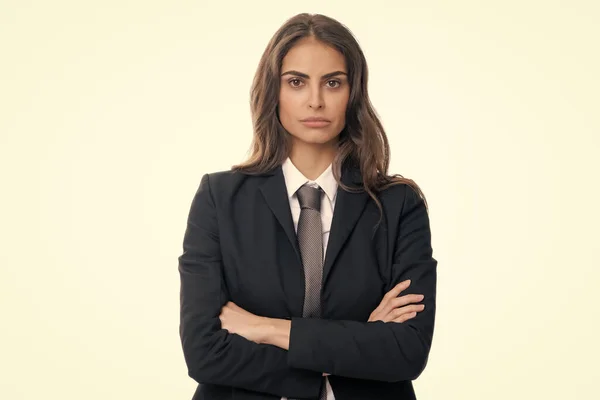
421	297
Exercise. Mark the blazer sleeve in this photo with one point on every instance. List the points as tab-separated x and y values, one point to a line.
384	351
212	354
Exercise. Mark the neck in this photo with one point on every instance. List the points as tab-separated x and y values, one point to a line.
311	159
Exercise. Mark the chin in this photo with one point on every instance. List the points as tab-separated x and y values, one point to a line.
315	136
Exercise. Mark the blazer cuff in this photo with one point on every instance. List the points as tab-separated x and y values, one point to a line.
301	349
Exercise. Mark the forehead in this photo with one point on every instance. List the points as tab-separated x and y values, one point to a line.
311	56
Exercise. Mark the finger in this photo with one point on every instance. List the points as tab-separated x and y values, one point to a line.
413	308
405	317
397	289
401	301
398	312
384	308
406	299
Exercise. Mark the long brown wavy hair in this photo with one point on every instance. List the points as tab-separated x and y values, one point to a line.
362	143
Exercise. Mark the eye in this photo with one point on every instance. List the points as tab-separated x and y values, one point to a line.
295	82
334	84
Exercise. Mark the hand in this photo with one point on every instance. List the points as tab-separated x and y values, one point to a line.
398	309
239	321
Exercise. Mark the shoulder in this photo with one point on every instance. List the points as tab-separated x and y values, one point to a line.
217	181
225	183
399	191
220	178
402	197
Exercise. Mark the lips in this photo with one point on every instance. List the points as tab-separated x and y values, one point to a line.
315	119
315	122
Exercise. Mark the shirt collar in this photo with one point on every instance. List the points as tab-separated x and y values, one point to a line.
294	179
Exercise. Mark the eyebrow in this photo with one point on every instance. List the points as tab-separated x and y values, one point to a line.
302	75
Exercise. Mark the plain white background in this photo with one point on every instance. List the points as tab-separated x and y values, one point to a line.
110	112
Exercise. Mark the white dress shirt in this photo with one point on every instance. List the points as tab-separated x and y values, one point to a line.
293	181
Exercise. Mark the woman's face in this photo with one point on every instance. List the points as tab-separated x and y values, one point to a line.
314	84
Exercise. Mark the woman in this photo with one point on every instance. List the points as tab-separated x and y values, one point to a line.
294	261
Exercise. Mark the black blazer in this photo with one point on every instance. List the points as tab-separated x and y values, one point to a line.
240	245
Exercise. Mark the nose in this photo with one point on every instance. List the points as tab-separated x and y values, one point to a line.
315	100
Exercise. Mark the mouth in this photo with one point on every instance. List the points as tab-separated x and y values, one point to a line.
315	122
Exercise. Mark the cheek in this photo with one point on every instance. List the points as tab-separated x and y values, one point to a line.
284	109
337	101
340	106
288	103
287	113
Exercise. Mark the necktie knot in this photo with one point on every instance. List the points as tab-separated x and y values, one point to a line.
309	197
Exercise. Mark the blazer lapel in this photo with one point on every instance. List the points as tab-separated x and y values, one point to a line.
275	194
348	208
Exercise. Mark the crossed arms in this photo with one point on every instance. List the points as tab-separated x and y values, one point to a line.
381	351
